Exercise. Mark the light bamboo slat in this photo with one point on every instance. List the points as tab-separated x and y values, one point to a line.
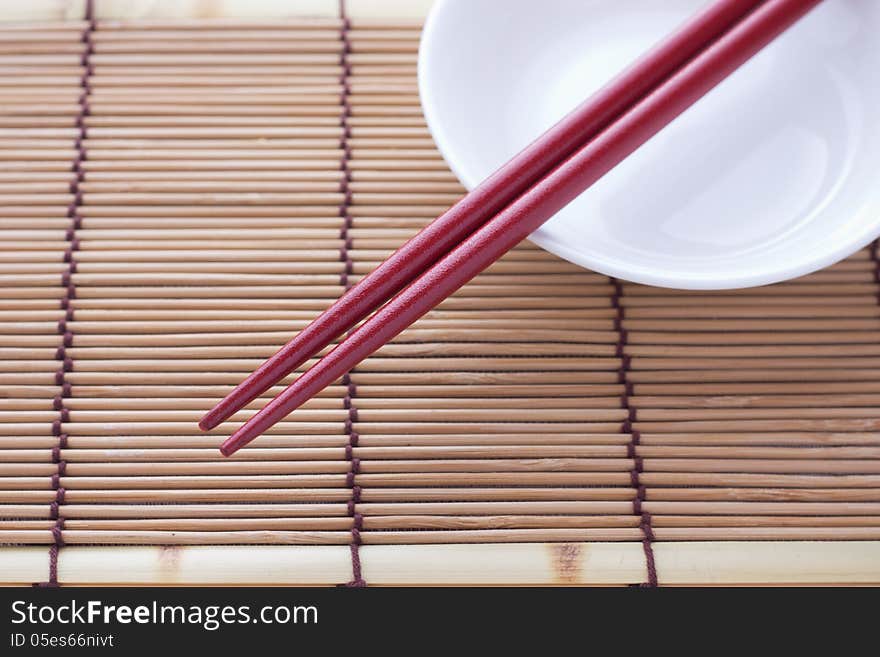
693	563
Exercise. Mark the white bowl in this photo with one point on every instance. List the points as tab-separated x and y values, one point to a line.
774	174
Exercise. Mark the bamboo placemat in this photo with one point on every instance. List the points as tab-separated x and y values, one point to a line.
180	195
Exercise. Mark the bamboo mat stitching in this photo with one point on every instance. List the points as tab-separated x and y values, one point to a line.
69	293
876	259
357	579
627	428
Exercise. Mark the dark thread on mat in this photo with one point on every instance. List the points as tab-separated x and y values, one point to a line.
351	481
65	362
345	169
627	427
357	520
875	257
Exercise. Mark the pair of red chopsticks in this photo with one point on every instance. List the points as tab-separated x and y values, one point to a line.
513	202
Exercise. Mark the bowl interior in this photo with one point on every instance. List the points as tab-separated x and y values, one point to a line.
772	175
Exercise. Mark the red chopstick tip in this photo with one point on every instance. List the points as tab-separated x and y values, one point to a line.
228	448
205	423
239	439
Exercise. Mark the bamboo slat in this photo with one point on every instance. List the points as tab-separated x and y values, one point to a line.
693	563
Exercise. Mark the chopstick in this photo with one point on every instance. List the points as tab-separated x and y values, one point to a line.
487	199
549	195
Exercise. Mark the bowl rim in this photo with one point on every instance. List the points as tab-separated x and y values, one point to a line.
784	269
